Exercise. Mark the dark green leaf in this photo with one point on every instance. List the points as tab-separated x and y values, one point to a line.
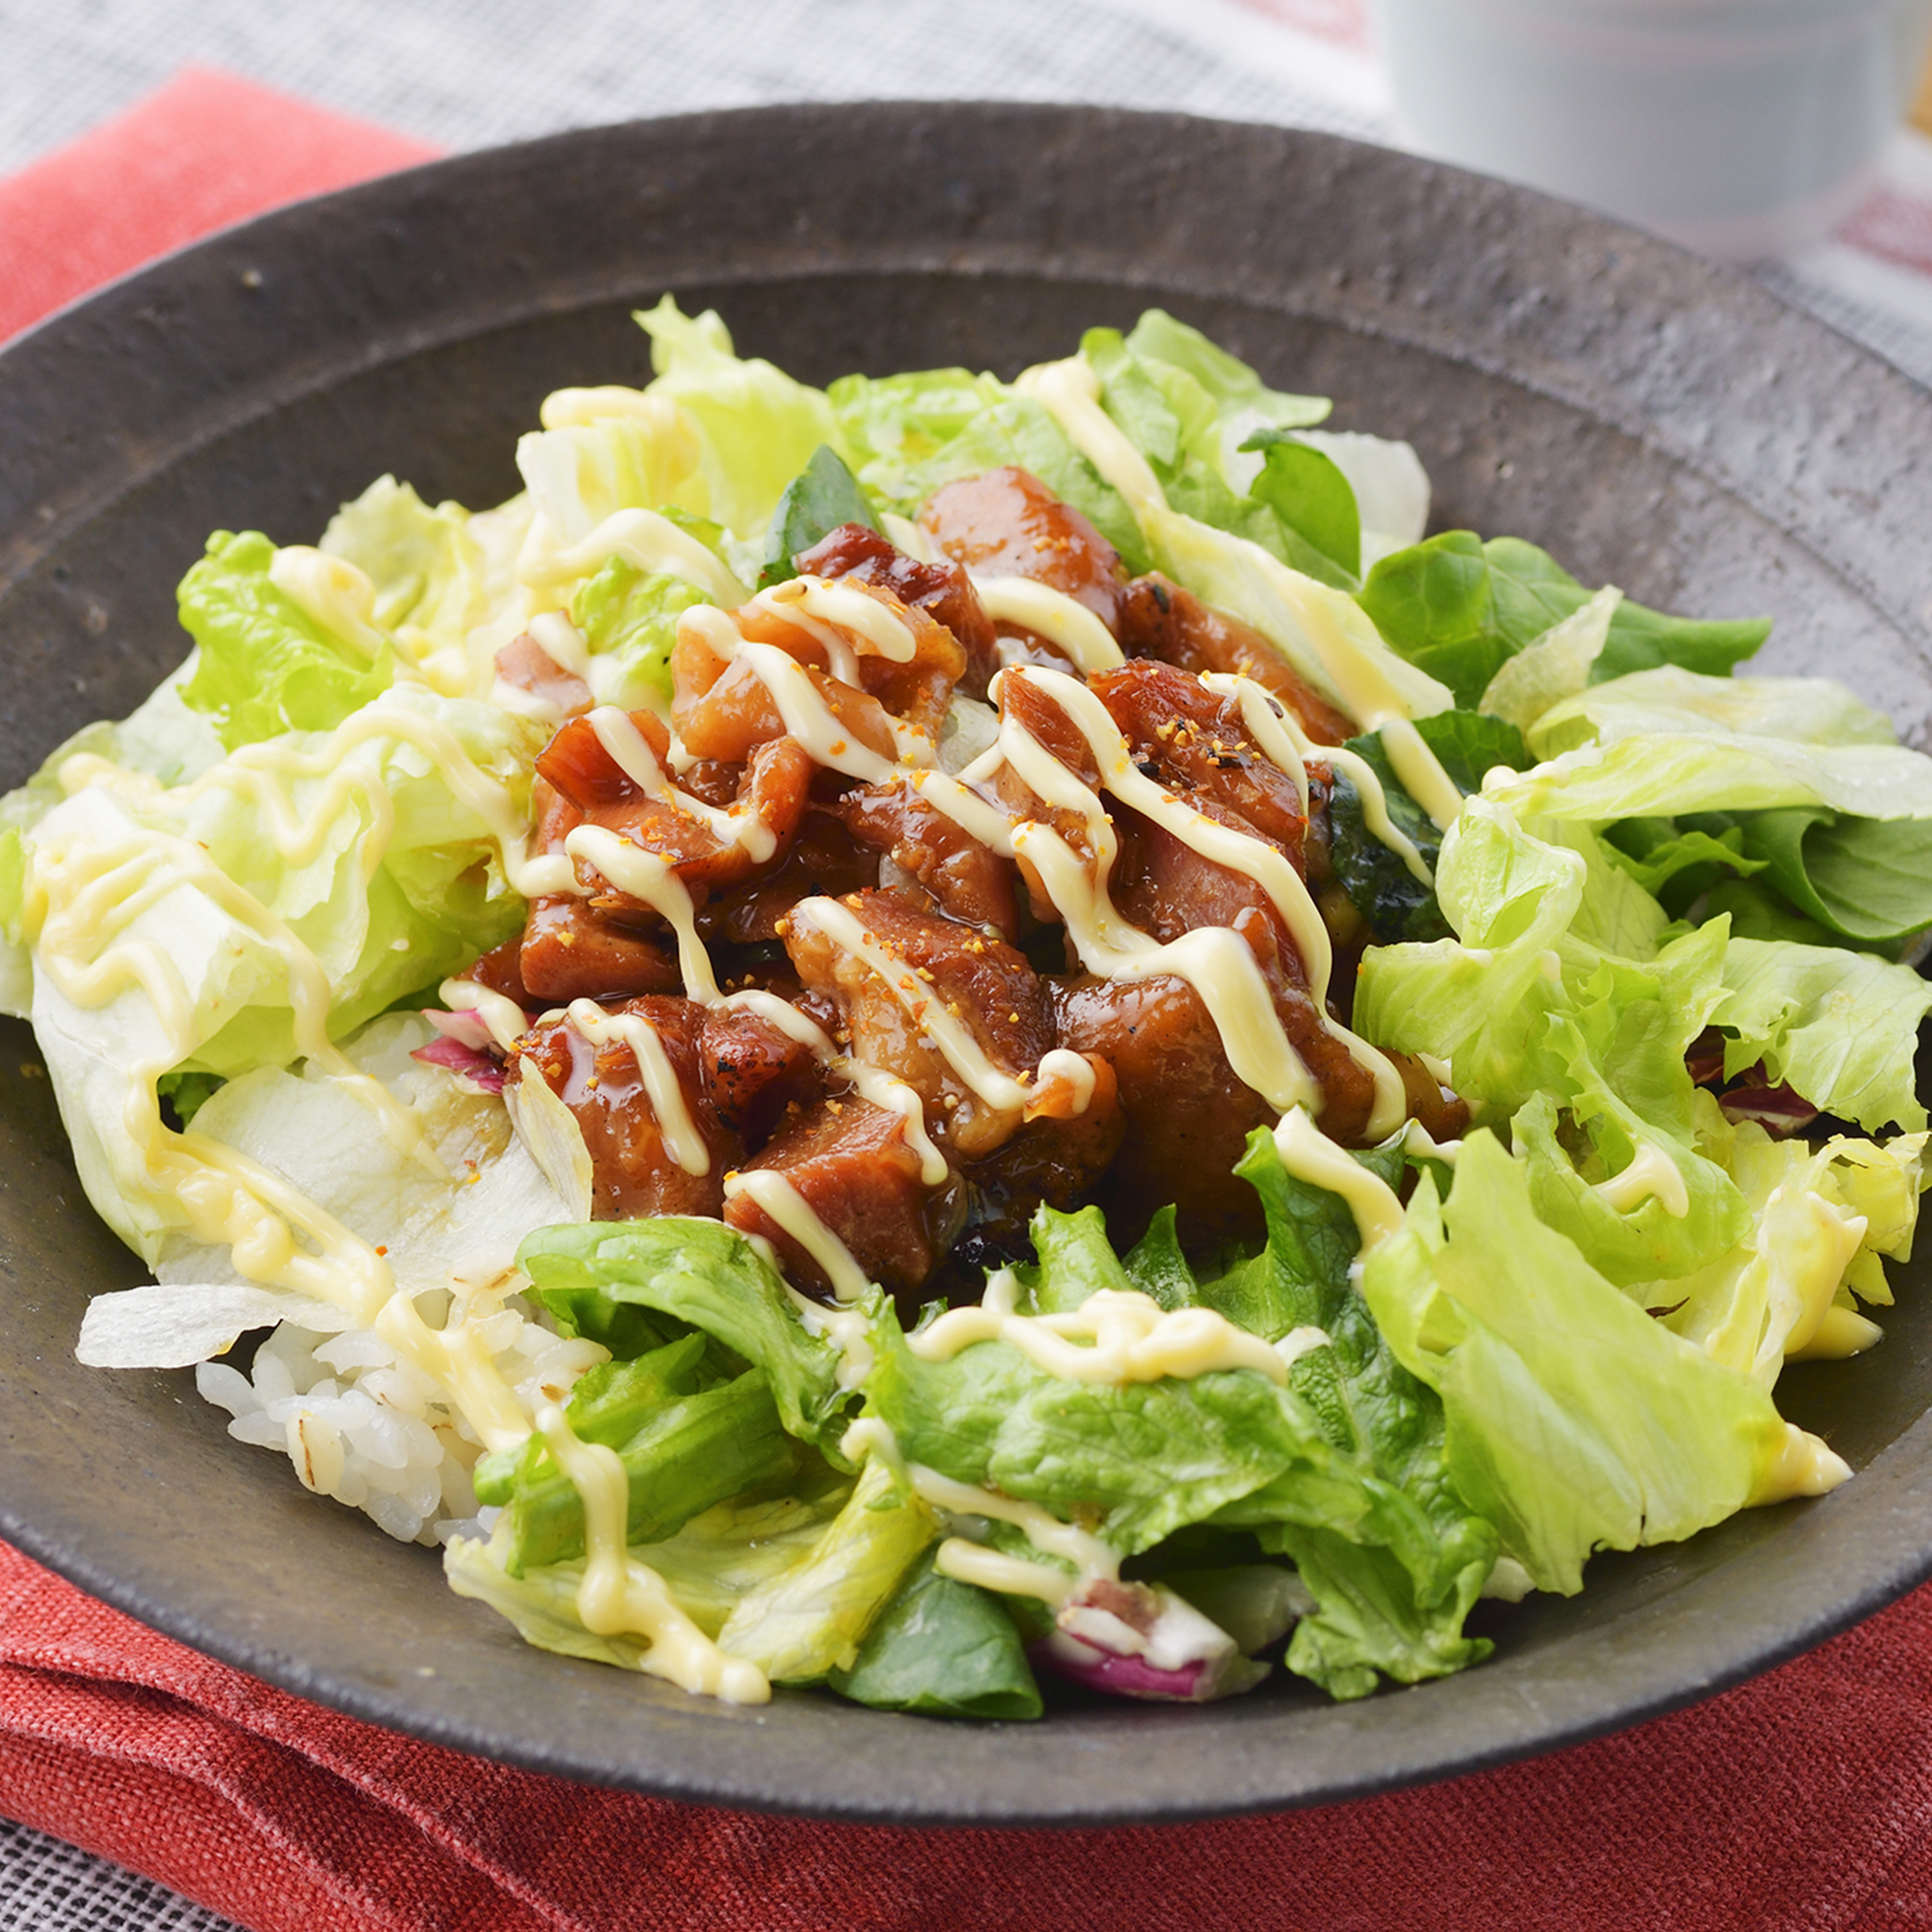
823	496
1199	492
1155	1265
1459	608
1380	886
188	1093
1310	495
945	1649
1469	744
1076	1258
1676	865
1867	879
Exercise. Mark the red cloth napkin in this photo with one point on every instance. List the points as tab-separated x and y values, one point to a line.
1801	1801
206	150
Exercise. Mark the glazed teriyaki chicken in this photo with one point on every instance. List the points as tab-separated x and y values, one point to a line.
847	808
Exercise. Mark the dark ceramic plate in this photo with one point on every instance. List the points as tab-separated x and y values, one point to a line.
1656	422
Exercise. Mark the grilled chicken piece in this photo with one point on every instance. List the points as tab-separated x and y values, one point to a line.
1008	523
849	1162
568	952
633	1172
753	1073
586	777
967	881
982	984
1161	620
1195	746
1052	1161
823	858
942	590
1187	1117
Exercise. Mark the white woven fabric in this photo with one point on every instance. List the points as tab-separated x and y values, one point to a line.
471	73
48	1887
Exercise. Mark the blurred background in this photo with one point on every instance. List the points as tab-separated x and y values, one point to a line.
1770	131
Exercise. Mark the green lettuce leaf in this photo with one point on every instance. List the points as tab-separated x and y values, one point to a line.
892	426
1285	606
265	664
811	1619
430	573
1822	1219
1671	702
629	619
1574	1421
1869	880
1459	608
689	1453
1344	1468
945	1650
756	426
591	1276
1840	1027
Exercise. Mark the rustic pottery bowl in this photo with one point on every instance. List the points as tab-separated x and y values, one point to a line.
1653	420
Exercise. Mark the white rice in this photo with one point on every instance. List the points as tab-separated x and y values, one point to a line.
365	1426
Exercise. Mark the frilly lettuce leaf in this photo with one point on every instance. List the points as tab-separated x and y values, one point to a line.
1560	1007
1670	777
1200	417
1576	1422
1821	1219
319	1138
434	902
756	426
1840	1027
810	1621
597	1280
266	665
430	573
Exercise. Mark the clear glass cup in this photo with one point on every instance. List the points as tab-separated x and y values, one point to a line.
1745	128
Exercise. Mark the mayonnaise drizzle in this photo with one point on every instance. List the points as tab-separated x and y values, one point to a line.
619	1595
630	751
1311	1156
1060	619
644	540
1129	1337
1650	1174
791	1211
682	1140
